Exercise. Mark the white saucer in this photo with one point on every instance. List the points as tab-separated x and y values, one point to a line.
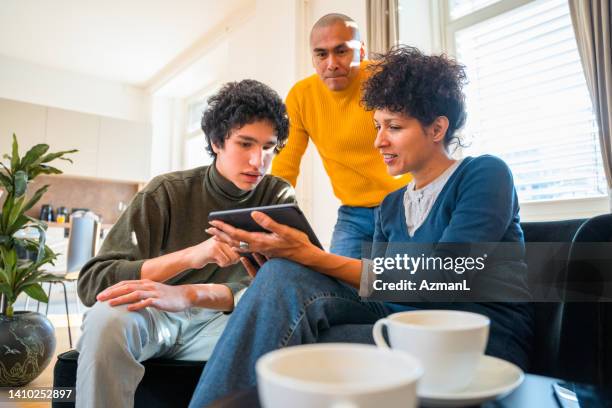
494	378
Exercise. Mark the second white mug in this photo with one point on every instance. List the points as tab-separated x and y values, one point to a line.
448	343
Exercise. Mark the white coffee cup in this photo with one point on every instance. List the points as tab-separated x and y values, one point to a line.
448	343
337	375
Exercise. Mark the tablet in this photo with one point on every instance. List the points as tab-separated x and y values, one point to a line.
287	214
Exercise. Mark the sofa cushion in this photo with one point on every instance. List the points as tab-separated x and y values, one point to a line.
586	331
166	383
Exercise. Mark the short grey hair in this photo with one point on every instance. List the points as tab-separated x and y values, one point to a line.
333	18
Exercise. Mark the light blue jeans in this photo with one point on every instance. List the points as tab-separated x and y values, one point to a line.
287	304
115	341
355	225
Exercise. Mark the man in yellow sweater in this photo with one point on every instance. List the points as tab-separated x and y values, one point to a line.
326	108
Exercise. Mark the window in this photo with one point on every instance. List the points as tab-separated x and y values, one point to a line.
195	110
194	144
527	98
460	8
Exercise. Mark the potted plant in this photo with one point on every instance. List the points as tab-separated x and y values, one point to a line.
27	339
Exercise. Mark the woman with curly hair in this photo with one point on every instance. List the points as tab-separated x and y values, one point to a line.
302	291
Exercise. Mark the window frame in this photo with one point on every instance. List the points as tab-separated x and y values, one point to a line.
546	210
186	134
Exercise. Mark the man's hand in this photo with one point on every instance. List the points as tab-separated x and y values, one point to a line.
138	294
281	242
213	251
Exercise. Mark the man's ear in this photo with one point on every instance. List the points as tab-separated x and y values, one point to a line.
362	52
215	148
439	128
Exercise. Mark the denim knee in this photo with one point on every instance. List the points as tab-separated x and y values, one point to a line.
278	277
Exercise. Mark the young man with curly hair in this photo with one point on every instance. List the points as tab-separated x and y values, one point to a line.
160	285
418	106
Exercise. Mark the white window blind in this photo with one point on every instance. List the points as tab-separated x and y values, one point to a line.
528	102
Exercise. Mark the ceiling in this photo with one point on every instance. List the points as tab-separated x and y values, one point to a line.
123	41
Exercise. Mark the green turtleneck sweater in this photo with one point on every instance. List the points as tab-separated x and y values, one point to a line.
171	214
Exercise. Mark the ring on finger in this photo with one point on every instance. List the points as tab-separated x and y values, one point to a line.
243	245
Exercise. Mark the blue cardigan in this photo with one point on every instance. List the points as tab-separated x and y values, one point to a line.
477	204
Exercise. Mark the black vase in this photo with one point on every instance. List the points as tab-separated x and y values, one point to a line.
27	344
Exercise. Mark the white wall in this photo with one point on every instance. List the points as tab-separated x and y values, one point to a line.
162	117
26	82
419	25
259	43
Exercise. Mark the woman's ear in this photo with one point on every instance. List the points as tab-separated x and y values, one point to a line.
439	128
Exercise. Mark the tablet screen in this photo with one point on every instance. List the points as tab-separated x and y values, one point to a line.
287	214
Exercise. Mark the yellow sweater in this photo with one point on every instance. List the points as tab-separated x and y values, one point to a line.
343	133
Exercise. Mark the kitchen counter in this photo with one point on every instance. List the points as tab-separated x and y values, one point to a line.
66	225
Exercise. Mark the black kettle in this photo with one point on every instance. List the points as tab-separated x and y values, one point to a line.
46	213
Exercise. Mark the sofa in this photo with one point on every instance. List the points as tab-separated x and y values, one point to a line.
573	340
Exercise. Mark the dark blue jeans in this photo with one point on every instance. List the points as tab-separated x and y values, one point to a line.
355	225
287	304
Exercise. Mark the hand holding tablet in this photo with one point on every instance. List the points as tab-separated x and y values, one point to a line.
274	231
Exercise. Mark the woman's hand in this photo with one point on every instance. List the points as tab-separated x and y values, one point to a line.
281	242
138	294
248	265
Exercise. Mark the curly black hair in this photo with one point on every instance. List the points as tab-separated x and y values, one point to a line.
423	86
241	103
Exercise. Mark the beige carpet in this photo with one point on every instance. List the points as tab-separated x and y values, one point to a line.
46	378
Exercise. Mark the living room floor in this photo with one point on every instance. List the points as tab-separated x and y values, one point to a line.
57	315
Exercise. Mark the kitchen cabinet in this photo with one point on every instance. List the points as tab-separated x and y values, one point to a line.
124	151
74	130
111	149
26	120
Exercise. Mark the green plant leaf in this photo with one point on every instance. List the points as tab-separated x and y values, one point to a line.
38	222
6	169
6	182
34	199
43	169
57	155
42	238
9	264
21	183
18	224
4	275
37	277
14	215
9	258
23	270
31	276
6	211
33	155
36	292
6	290
15	154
